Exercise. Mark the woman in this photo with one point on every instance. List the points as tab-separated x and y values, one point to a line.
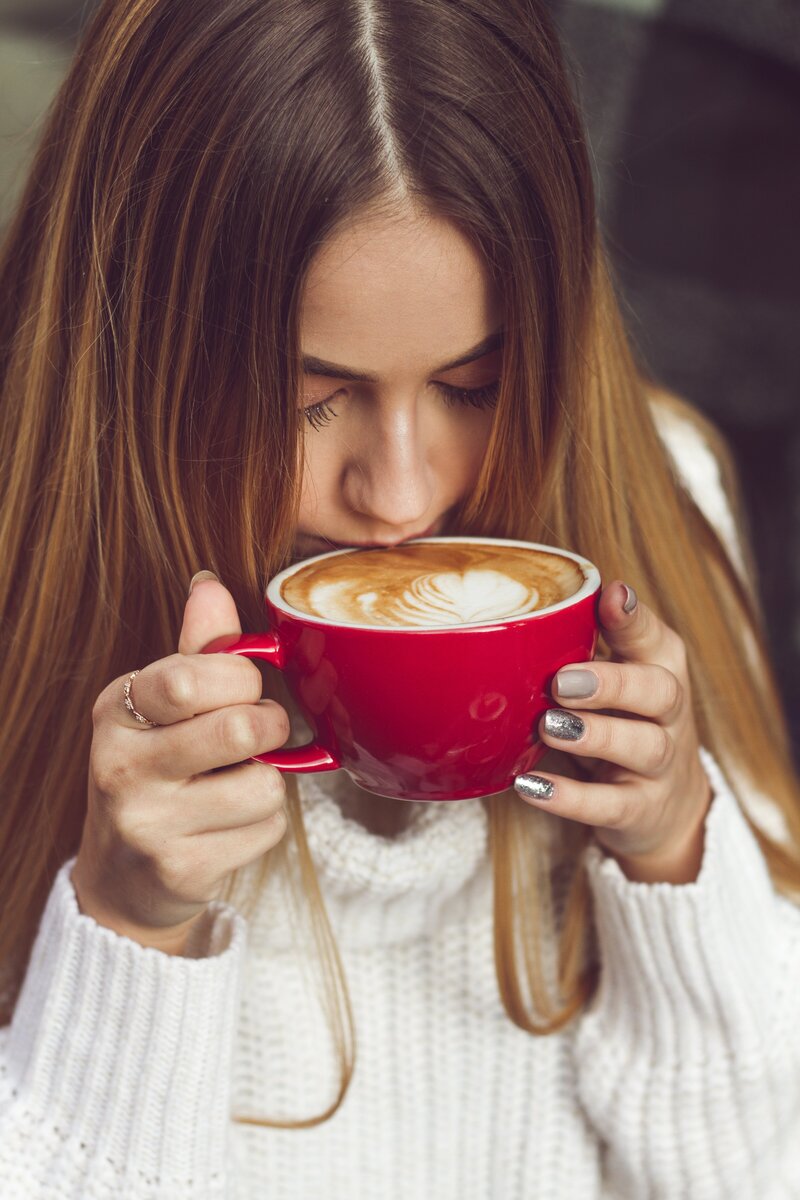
235	209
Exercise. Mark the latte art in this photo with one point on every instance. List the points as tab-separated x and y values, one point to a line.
432	584
441	598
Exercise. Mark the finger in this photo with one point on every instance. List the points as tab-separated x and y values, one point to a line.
181	686
215	739
644	689
235	797
639	746
601	804
210	611
200	861
638	635
239	846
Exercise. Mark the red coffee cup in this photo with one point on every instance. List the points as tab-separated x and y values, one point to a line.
423	714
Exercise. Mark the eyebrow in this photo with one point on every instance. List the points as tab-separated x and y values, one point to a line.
318	366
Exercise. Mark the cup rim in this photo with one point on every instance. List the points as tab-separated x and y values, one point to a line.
590	585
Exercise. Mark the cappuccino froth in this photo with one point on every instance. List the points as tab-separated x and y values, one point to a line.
436	584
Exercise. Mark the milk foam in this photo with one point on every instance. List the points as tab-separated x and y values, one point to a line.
432	584
439	598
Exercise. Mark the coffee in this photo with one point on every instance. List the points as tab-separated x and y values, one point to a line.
432	584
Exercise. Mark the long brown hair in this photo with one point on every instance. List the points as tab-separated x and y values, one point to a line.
195	158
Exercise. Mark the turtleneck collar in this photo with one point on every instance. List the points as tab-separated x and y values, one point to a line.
379	889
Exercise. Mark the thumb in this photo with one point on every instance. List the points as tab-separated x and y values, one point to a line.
209	613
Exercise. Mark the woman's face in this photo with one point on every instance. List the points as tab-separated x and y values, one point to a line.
396	301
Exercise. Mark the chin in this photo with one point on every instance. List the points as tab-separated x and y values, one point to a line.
302	551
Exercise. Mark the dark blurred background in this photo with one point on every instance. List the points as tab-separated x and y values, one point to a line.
693	113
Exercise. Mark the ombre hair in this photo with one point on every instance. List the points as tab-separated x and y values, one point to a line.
197	155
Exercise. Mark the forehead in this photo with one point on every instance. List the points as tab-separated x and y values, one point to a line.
392	292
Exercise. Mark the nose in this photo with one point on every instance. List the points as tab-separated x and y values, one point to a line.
388	477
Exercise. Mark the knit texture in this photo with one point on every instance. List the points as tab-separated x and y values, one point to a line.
123	1066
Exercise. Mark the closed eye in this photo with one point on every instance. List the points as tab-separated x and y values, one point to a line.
319	414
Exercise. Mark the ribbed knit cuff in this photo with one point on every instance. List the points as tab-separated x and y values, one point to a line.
125	1051
687	968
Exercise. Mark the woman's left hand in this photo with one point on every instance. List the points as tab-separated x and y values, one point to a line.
649	795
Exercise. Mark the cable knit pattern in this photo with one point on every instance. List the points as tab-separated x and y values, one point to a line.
104	1069
414	877
681	1080
690	1056
123	1067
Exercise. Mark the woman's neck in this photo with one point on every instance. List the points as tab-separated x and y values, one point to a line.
379	814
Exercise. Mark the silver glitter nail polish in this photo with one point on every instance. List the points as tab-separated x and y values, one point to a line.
534	787
562	724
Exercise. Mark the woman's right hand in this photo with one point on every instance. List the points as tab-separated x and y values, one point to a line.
173	810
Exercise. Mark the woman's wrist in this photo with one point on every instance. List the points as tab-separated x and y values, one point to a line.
170	940
682	866
679	864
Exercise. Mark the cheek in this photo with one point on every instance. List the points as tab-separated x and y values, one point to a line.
320	474
465	447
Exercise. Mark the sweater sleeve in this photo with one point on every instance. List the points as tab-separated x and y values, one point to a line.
115	1070
688	1058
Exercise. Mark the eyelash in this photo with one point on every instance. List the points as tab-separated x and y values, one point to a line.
484	397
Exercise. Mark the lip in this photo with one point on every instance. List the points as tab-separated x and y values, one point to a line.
371	545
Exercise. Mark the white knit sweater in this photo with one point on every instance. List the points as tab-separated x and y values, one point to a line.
122	1066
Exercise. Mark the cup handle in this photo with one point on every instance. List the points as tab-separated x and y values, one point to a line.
267	645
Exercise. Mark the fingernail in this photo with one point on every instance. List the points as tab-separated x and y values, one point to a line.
534	787
576	685
201	577
631	601
561	724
